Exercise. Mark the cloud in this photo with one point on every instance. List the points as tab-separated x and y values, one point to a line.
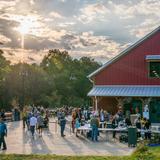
142	29
141	17
4	39
63	1
28	56
87	44
78	45
66	24
32	2
92	12
99	29
55	15
6	4
140	8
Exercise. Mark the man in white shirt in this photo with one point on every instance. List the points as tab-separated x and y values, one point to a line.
33	122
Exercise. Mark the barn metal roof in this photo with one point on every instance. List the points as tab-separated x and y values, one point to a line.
125	90
153	57
123	53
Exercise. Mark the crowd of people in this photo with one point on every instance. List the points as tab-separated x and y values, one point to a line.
82	116
104	119
95	119
38	118
35	118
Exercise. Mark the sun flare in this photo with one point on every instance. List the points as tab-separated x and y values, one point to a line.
25	27
28	25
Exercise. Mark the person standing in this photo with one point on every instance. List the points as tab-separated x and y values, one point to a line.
119	114
2	114
106	116
137	123
33	123
24	118
29	115
40	124
102	118
77	125
46	122
94	125
114	125
147	127
59	114
101	115
73	120
3	133
16	114
62	124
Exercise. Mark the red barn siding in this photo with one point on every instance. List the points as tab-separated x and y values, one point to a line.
131	69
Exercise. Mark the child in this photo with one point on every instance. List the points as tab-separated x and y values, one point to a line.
77	125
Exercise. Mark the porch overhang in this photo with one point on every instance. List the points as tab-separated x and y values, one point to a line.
153	57
125	91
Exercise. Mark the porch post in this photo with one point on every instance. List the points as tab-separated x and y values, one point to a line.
96	103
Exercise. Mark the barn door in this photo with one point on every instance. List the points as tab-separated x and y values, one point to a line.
154	111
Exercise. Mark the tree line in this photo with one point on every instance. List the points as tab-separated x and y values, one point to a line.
58	80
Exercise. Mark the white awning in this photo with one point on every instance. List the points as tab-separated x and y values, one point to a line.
153	57
126	91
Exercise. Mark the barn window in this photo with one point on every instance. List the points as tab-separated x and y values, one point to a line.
154	69
153	66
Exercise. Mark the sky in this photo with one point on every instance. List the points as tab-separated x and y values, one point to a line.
96	28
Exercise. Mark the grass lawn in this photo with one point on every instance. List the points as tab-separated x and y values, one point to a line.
142	153
156	151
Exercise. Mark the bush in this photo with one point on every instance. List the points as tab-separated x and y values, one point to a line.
143	153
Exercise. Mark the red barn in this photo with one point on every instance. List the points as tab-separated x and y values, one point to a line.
131	79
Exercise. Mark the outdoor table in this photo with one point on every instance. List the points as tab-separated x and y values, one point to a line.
103	129
105	122
118	129
87	128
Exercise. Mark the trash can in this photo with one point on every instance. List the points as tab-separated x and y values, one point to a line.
132	136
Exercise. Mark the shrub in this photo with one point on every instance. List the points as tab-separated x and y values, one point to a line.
143	153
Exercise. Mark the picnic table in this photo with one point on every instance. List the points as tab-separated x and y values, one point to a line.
87	128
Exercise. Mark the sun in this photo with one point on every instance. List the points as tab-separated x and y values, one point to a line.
25	27
30	24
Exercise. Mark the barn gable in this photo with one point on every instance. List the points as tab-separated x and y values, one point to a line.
130	67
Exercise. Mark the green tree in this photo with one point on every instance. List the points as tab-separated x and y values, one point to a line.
26	83
69	76
58	80
4	69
